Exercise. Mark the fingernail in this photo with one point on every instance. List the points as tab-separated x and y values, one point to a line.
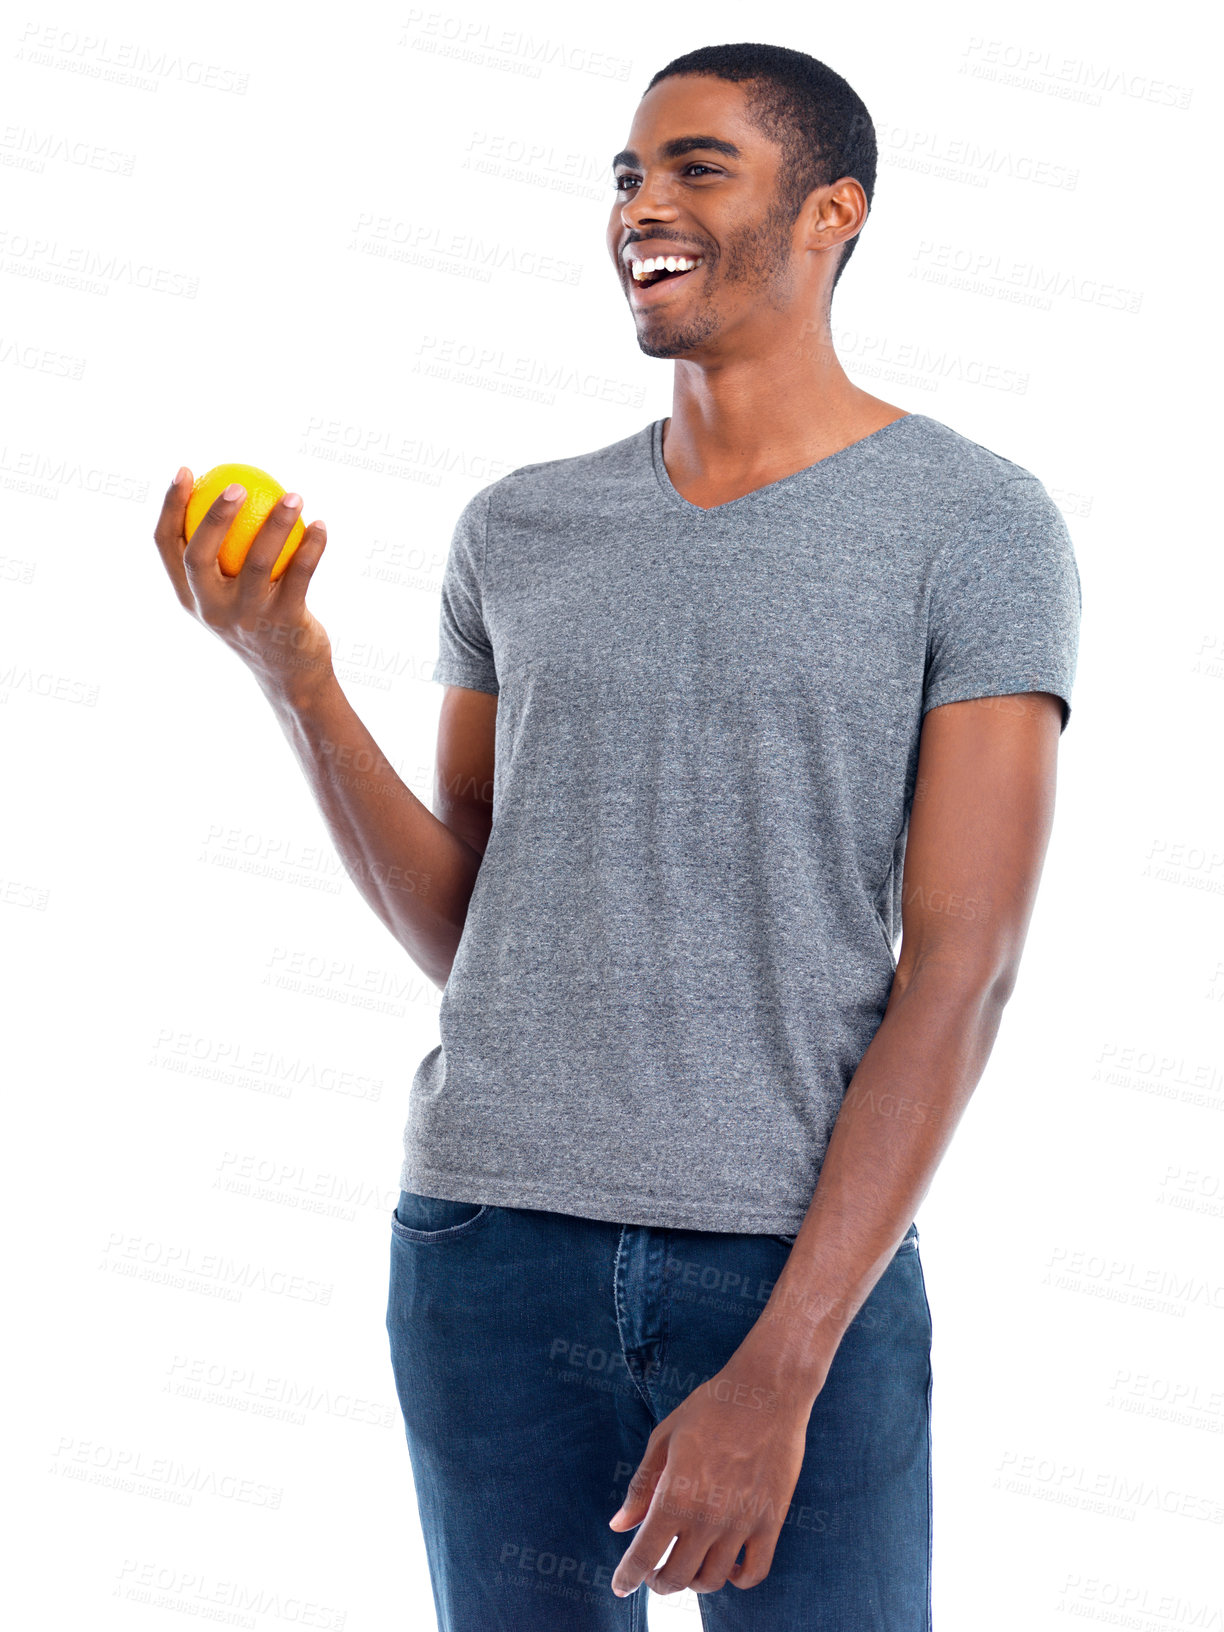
234	491
178	475
291	501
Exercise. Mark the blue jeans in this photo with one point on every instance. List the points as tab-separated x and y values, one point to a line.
533	1354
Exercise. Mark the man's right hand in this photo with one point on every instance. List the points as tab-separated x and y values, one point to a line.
267	624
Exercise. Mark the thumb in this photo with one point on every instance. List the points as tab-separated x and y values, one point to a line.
641	1489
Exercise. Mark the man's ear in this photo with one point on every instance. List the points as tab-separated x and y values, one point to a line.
831	215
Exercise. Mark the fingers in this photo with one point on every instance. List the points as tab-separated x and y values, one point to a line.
168	534
648	1547
255	574
204	546
705	1554
702	1560
719	1562
641	1487
291	585
758	1558
683	1563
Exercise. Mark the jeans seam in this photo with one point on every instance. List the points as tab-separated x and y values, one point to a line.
664	1317
426	1237
930	1505
639	1610
620	1319
930	1464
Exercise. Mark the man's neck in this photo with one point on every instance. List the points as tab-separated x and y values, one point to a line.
739	424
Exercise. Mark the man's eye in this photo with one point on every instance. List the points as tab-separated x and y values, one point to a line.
622	183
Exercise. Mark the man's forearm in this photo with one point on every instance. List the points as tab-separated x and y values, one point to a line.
413	870
900	1111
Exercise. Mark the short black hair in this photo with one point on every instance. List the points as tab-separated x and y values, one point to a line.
819	121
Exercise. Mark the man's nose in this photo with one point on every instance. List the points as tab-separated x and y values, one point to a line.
650	202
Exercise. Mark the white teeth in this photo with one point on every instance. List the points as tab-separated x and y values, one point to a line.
663	263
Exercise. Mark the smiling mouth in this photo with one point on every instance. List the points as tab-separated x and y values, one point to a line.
663	268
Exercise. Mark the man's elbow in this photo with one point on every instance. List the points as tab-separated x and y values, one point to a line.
1003	983
985	976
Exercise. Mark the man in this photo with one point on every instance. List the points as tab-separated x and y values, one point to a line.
729	704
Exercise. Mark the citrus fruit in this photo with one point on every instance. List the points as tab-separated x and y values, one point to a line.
262	493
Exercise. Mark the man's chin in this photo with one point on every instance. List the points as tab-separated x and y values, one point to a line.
650	346
666	340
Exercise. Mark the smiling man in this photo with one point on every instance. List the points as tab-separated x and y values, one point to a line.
731	705
776	678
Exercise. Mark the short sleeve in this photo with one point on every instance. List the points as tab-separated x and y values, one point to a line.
1005	603
465	652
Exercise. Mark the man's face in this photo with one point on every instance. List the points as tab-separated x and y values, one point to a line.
698	181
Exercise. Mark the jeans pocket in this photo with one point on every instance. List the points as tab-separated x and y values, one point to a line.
432	1218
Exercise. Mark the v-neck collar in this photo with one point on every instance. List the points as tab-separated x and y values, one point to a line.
678	501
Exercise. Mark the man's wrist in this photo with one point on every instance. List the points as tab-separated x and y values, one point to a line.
300	693
789	1353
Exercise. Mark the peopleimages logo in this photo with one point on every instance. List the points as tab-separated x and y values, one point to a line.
1075	79
984	272
178	1264
123	62
210	1598
957	157
492	368
470	39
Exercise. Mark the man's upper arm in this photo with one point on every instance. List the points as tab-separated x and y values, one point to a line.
463	777
979	826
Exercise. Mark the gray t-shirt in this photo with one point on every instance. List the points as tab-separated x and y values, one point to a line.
682	936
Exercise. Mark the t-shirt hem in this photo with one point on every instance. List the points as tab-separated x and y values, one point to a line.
652	1211
449	674
968	691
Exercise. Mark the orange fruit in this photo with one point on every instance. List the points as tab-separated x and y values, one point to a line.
262	493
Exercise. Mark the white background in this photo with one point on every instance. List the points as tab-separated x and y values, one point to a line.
231	234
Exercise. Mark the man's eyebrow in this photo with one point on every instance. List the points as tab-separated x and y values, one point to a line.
679	146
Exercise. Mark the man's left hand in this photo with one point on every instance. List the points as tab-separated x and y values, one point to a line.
718	1474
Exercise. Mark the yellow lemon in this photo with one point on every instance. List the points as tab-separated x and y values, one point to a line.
262	493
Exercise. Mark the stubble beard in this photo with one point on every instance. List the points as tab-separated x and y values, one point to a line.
757	258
